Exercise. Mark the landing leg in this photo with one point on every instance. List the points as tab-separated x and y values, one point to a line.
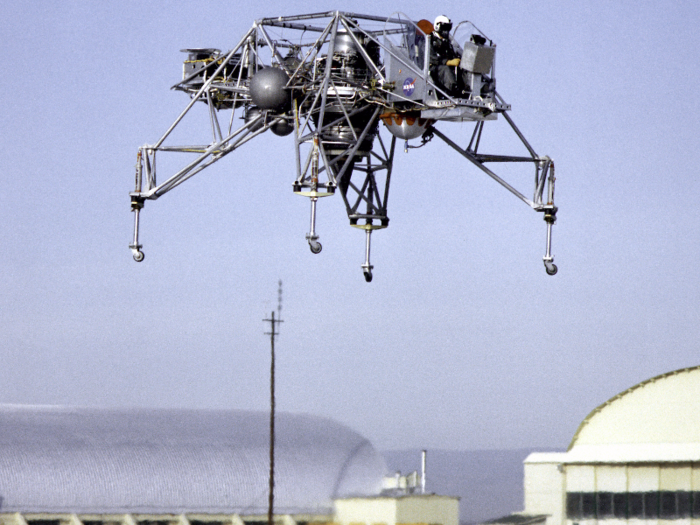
136	205
312	237
548	259
367	267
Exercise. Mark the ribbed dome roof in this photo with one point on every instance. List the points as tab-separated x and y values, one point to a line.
658	419
80	460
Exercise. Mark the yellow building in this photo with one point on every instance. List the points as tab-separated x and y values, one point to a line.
405	509
635	459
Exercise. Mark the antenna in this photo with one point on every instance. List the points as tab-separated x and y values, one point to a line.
272	333
279	300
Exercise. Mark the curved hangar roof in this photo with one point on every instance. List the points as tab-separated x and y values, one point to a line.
656	420
55	459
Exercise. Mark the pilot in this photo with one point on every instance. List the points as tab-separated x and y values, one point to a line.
445	59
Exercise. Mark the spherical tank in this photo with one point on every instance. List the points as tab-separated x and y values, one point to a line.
405	126
251	114
267	89
283	127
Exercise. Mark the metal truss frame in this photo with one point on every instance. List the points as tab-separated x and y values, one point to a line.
335	117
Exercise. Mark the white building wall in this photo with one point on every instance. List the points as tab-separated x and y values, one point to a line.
580	478
674	477
443	510
429	509
545	490
611	478
642	478
638	454
365	511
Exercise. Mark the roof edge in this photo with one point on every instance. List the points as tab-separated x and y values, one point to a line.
600	407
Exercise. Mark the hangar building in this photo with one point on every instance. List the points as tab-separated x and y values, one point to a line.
634	459
81	466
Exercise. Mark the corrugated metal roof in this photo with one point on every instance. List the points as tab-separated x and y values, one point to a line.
518	519
82	460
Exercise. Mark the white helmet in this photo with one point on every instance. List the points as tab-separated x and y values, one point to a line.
442	24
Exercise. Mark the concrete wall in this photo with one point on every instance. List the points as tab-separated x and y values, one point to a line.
545	487
426	509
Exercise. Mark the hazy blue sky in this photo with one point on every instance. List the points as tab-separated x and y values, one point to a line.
462	341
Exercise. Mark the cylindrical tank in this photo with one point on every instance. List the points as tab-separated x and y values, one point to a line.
344	44
348	58
338	137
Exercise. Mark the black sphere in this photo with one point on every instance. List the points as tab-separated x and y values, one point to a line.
282	128
267	89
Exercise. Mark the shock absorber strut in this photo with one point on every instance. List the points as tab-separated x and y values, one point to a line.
136	206
312	237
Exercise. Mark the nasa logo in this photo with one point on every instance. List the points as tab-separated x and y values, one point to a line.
409	85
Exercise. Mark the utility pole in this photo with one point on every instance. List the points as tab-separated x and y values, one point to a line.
272	333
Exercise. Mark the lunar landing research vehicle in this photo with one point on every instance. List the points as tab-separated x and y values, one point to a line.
346	86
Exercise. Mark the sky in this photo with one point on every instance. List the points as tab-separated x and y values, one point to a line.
461	342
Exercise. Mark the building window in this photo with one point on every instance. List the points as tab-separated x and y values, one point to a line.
683	504
665	505
668	507
573	505
604	507
588	506
620	505
651	505
695	504
635	505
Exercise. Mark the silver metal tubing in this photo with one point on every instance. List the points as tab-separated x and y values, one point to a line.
550	183
296	139
186	172
504	158
542	175
312	227
273	48
367	267
339	120
206	85
520	135
548	259
139	170
279	20
483	168
185	175
136	229
215	128
368	241
315	46
327	75
310	112
361	49
351	151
